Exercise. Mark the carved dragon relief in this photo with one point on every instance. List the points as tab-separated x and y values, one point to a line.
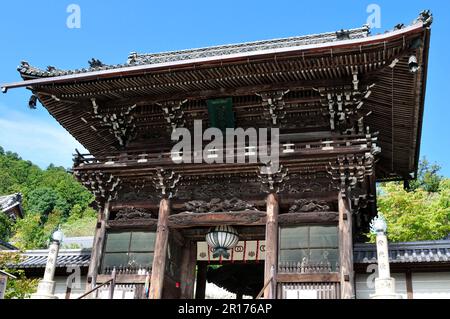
130	213
306	205
218	205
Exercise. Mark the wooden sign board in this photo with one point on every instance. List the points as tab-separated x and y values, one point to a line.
243	251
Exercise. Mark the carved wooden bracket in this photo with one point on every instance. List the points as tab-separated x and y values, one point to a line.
173	114
166	181
349	170
121	125
272	182
103	186
345	106
273	103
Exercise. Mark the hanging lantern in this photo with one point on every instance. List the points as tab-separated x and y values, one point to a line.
221	239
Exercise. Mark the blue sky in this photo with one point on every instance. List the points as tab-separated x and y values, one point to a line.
37	32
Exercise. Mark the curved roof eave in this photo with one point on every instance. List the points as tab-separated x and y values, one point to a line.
142	69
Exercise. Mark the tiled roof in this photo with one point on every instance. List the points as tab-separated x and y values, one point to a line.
135	59
5	245
66	258
410	252
9	201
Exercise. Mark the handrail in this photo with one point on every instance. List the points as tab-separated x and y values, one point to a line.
112	283
96	288
264	288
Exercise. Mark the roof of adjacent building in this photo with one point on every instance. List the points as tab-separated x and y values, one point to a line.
8	202
407	252
4	245
66	258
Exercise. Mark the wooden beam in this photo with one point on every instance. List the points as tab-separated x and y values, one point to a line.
200	290
147	224
246	218
160	254
97	247
123	279
188	264
327	277
308	218
346	248
270	263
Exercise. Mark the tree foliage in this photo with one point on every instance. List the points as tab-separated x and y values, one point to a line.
50	197
21	287
420	213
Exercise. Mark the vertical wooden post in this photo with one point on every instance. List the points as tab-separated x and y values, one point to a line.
270	264
112	285
409	285
96	254
188	263
200	289
346	248
160	254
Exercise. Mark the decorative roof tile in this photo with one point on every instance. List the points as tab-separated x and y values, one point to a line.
410	252
134	59
66	258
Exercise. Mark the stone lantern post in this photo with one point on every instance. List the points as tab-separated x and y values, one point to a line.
384	284
46	287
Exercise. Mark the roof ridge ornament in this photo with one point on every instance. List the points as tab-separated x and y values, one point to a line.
95	63
426	17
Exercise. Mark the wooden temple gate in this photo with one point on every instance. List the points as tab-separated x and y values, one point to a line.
348	107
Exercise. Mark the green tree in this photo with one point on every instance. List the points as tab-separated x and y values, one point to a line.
428	177
19	288
6	226
417	214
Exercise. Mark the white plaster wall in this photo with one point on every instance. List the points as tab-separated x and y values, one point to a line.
365	286
432	285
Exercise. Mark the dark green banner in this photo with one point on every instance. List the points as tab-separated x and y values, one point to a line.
220	113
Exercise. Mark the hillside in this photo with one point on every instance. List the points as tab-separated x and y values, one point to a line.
51	197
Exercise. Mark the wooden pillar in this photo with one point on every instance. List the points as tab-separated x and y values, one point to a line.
346	248
97	248
409	285
270	264
200	291
188	263
160	253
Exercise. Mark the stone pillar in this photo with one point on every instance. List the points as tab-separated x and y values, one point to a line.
384	284
46	287
270	264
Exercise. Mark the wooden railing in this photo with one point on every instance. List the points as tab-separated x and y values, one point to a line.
111	282
362	142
